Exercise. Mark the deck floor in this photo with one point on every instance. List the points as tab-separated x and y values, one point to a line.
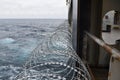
100	73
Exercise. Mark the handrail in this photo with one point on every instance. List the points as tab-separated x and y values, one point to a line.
112	51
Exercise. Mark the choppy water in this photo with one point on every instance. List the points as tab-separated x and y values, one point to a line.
38	50
18	38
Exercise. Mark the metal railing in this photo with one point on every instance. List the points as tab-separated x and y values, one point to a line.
112	51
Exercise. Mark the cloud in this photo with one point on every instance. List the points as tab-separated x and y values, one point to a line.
33	9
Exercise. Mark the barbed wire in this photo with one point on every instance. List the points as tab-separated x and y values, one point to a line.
55	59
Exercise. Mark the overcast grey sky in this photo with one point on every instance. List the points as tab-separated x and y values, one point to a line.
33	9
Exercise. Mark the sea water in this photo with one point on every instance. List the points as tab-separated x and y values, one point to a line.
18	38
38	50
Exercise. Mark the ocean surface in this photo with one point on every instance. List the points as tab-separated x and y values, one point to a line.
38	49
18	38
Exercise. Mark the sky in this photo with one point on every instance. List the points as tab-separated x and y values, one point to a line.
33	9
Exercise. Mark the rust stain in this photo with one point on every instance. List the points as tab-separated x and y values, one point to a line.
112	59
118	58
109	74
107	48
